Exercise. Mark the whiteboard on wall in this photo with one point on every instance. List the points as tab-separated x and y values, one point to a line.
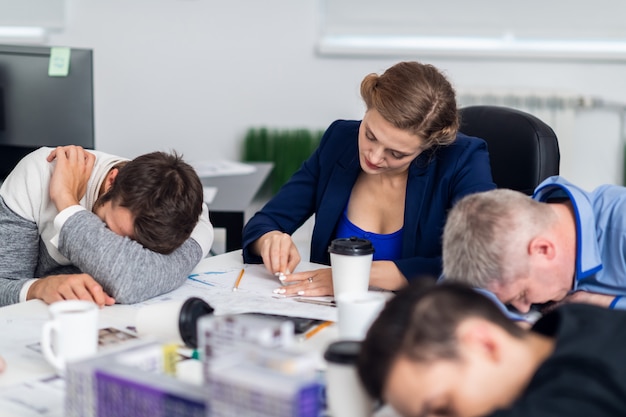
497	28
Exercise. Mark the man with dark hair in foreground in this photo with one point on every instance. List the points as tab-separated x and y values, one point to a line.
79	224
446	350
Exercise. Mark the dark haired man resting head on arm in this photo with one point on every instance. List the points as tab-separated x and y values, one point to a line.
82	224
447	350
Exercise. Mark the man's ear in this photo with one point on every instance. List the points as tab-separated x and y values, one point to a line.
110	179
480	338
542	246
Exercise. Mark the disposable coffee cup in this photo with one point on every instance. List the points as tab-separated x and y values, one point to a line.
173	321
71	333
345	394
351	262
356	312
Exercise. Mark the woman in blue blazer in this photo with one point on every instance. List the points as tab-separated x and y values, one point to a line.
390	178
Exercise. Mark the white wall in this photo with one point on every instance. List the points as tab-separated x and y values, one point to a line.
193	75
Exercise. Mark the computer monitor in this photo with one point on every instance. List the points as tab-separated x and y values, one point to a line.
37	109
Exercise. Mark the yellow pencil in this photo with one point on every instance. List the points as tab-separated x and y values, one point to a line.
236	286
316	330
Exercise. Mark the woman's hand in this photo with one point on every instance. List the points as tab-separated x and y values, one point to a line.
280	255
384	275
309	283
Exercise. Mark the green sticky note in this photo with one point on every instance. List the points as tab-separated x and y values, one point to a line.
59	62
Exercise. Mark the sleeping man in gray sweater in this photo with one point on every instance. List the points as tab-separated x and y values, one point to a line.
77	224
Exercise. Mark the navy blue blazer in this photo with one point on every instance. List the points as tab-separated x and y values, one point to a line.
322	186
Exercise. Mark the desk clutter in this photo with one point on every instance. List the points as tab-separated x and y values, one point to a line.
130	382
252	369
250	366
201	350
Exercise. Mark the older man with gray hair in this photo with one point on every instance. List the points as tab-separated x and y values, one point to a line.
563	244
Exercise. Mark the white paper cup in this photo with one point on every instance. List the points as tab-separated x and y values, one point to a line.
71	334
345	394
356	312
351	262
172	321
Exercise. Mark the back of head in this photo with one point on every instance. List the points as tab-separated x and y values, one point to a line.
165	196
417	98
486	235
420	323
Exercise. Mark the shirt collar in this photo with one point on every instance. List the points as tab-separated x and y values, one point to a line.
588	260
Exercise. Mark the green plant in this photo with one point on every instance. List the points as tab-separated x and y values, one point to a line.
286	148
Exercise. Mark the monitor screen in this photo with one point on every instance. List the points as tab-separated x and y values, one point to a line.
37	109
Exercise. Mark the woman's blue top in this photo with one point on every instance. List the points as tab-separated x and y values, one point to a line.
387	247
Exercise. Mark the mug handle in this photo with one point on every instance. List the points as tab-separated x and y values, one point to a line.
46	344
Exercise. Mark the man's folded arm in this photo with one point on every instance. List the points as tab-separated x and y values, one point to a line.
19	254
126	270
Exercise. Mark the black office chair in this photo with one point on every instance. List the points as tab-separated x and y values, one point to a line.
523	150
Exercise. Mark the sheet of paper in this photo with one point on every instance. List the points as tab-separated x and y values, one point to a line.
254	294
44	397
221	168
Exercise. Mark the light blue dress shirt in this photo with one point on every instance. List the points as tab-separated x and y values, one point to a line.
600	217
601	235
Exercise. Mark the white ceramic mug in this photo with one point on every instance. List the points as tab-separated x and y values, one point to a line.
71	333
351	262
356	312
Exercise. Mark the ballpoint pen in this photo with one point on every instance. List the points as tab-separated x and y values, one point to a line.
328	303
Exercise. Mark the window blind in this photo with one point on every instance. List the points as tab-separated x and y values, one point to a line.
555	28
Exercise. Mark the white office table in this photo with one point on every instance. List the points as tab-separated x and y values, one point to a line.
20	331
29	379
21	325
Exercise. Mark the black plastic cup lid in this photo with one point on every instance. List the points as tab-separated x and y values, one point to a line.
344	352
192	309
351	246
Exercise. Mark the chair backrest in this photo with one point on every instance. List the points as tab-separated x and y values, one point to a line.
523	150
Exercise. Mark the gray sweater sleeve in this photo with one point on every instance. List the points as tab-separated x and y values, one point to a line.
126	270
18	255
